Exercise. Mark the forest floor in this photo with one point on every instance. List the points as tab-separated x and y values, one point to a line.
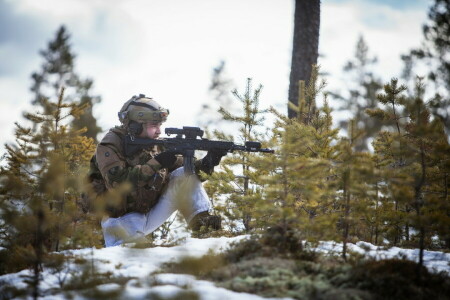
128	272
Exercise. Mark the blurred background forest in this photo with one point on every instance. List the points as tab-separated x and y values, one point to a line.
364	160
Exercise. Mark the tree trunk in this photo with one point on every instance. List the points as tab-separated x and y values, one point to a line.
419	202
376	213
346	196
38	252
247	217
305	48
397	236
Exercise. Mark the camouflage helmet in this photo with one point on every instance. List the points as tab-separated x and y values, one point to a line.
142	109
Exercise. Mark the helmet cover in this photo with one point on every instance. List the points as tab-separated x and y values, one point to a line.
142	109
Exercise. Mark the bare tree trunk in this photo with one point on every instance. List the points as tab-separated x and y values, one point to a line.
305	48
247	217
407	230
38	252
346	196
445	197
376	213
397	236
419	202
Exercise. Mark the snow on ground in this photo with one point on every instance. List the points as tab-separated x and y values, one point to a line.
435	261
141	263
136	262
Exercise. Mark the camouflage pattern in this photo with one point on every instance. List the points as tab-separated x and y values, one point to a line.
142	109
93	188
148	181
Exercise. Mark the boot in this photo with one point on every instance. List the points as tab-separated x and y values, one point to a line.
205	219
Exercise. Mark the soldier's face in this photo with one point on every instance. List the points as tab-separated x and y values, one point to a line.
151	130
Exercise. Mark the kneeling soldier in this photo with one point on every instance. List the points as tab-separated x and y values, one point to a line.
158	186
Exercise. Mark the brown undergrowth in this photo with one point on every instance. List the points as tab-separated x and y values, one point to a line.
270	268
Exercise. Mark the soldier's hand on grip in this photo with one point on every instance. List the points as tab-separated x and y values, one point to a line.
166	159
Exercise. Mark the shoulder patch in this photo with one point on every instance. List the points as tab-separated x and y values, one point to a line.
107	159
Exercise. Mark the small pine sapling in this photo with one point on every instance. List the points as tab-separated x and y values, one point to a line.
241	192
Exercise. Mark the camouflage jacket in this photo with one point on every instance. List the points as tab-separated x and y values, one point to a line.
142	173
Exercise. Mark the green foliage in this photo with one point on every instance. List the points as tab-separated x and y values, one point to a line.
40	185
257	267
436	44
296	200
415	157
89	284
219	88
58	71
196	266
432	56
40	182
354	173
396	279
240	191
318	186
361	95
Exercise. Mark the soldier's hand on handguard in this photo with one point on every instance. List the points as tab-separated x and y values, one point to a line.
166	159
213	157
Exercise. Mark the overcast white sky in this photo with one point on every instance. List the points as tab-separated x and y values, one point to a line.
167	49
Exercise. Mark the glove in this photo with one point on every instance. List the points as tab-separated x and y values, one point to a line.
166	159
213	158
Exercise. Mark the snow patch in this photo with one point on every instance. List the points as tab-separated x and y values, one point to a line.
140	264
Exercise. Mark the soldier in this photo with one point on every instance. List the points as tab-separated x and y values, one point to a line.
156	177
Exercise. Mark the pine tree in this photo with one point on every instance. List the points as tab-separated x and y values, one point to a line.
381	204
362	95
241	191
220	88
433	55
436	43
390	147
418	166
354	172
39	187
297	203
58	71
426	137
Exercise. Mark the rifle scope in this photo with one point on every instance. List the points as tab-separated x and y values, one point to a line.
187	131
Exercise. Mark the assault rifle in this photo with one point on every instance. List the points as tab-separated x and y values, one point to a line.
187	140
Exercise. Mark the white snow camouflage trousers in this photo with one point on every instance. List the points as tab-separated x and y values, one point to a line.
184	193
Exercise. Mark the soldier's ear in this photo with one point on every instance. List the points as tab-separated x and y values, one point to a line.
135	128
